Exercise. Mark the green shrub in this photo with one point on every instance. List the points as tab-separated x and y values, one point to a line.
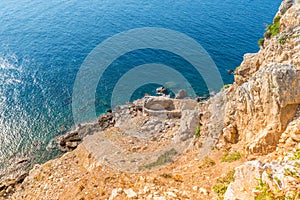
267	35
261	42
227	157
282	40
220	189
207	162
165	158
274	28
222	183
198	130
265	193
296	155
276	19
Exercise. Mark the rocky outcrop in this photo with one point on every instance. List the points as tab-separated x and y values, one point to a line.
265	96
258	111
245	177
282	48
8	187
262	114
273	180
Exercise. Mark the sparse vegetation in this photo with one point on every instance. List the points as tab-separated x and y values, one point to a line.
207	162
274	29
198	130
162	159
282	40
267	35
166	175
220	189
231	157
296	155
222	185
226	86
265	191
290	172
261	42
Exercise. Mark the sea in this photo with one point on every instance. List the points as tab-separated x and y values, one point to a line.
43	44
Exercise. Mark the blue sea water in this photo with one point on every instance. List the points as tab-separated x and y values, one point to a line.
43	44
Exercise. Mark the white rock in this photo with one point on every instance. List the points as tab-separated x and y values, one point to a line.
114	194
171	194
159	198
203	191
146	189
130	193
195	188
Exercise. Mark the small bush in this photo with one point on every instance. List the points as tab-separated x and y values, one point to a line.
207	162
267	35
225	87
276	19
222	184
289	172
274	28
165	158
198	130
296	155
265	193
220	189
261	42
227	157
282	40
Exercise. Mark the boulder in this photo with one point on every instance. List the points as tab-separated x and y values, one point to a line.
107	120
245	179
181	94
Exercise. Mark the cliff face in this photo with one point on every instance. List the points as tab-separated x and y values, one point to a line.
282	48
266	94
262	114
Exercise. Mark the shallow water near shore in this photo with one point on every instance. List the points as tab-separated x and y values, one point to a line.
43	45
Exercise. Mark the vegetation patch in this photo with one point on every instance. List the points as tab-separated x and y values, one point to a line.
265	191
261	42
231	157
198	130
165	158
282	40
274	29
296	155
226	86
290	172
166	175
222	184
206	163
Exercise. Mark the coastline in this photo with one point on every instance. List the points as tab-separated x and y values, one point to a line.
235	133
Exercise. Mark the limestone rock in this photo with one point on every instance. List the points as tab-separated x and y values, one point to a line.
188	125
181	94
106	120
130	193
245	179
230	134
279	177
261	108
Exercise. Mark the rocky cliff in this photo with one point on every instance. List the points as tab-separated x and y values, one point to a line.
265	95
248	137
